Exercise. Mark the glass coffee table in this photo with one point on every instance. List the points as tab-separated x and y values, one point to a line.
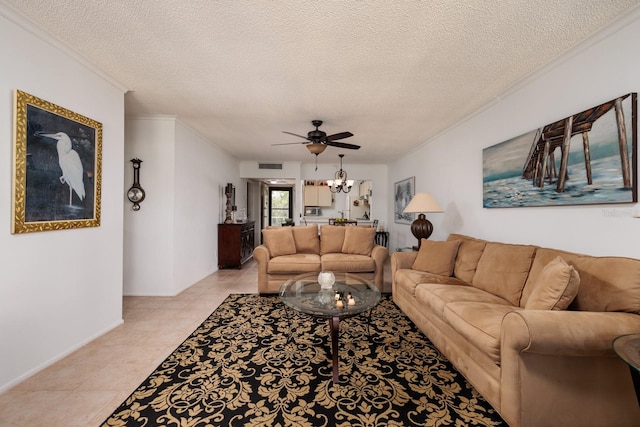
303	293
627	347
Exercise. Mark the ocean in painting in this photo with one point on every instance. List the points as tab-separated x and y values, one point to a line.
606	188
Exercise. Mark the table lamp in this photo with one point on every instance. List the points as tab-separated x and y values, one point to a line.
421	203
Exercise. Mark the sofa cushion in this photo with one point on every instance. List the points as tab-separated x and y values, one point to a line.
468	256
306	239
435	296
347	263
279	241
358	240
555	288
297	263
503	269
419	277
480	323
331	238
436	257
410	279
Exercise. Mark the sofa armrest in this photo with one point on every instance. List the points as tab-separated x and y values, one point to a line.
379	255
562	363
262	256
261	253
565	333
400	261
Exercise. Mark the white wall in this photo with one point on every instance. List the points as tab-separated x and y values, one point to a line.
58	289
148	233
202	171
171	242
450	165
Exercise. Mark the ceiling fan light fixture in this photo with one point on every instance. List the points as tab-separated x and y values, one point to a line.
316	148
320	140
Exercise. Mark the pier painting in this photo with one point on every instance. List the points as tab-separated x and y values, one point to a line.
587	158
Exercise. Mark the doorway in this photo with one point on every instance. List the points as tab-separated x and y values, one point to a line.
280	205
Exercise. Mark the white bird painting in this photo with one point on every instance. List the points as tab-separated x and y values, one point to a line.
69	160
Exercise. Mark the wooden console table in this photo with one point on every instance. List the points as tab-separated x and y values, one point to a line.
235	244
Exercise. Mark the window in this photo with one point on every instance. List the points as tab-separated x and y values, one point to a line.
280	205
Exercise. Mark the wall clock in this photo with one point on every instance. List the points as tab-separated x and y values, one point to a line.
136	193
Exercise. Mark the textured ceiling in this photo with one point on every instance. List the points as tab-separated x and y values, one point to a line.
394	73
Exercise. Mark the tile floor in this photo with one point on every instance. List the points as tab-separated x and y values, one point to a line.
87	386
84	388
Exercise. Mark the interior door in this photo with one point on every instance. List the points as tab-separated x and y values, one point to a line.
254	207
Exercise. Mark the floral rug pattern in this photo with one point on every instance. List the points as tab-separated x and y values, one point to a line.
254	362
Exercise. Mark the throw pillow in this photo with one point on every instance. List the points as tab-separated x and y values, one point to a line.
469	254
436	257
306	239
503	269
331	239
556	287
279	241
358	240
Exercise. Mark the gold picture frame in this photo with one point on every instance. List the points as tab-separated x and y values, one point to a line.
57	167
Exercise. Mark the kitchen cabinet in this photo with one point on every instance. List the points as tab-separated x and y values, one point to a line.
317	195
235	244
365	188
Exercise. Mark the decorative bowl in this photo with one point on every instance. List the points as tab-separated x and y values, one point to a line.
326	279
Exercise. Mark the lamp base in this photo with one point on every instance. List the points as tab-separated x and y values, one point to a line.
421	228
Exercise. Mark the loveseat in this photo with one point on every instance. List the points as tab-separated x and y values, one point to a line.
529	327
288	251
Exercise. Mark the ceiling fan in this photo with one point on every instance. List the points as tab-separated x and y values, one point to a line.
317	140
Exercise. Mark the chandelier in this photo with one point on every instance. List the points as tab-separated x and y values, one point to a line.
340	183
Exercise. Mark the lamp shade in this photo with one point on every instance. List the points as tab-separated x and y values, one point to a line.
316	148
423	202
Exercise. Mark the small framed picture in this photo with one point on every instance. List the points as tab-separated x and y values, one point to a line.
403	193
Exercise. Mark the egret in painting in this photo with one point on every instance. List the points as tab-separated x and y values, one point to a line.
69	160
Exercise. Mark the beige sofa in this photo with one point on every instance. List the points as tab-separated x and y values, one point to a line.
288	251
529	327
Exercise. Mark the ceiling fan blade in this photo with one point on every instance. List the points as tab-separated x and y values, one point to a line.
343	145
294	134
341	135
292	143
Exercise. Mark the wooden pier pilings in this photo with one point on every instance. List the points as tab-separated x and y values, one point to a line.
541	163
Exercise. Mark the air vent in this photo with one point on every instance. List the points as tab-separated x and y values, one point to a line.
269	165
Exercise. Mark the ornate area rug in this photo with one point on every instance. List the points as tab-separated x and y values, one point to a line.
254	362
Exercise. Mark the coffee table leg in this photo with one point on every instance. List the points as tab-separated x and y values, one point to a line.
334	325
